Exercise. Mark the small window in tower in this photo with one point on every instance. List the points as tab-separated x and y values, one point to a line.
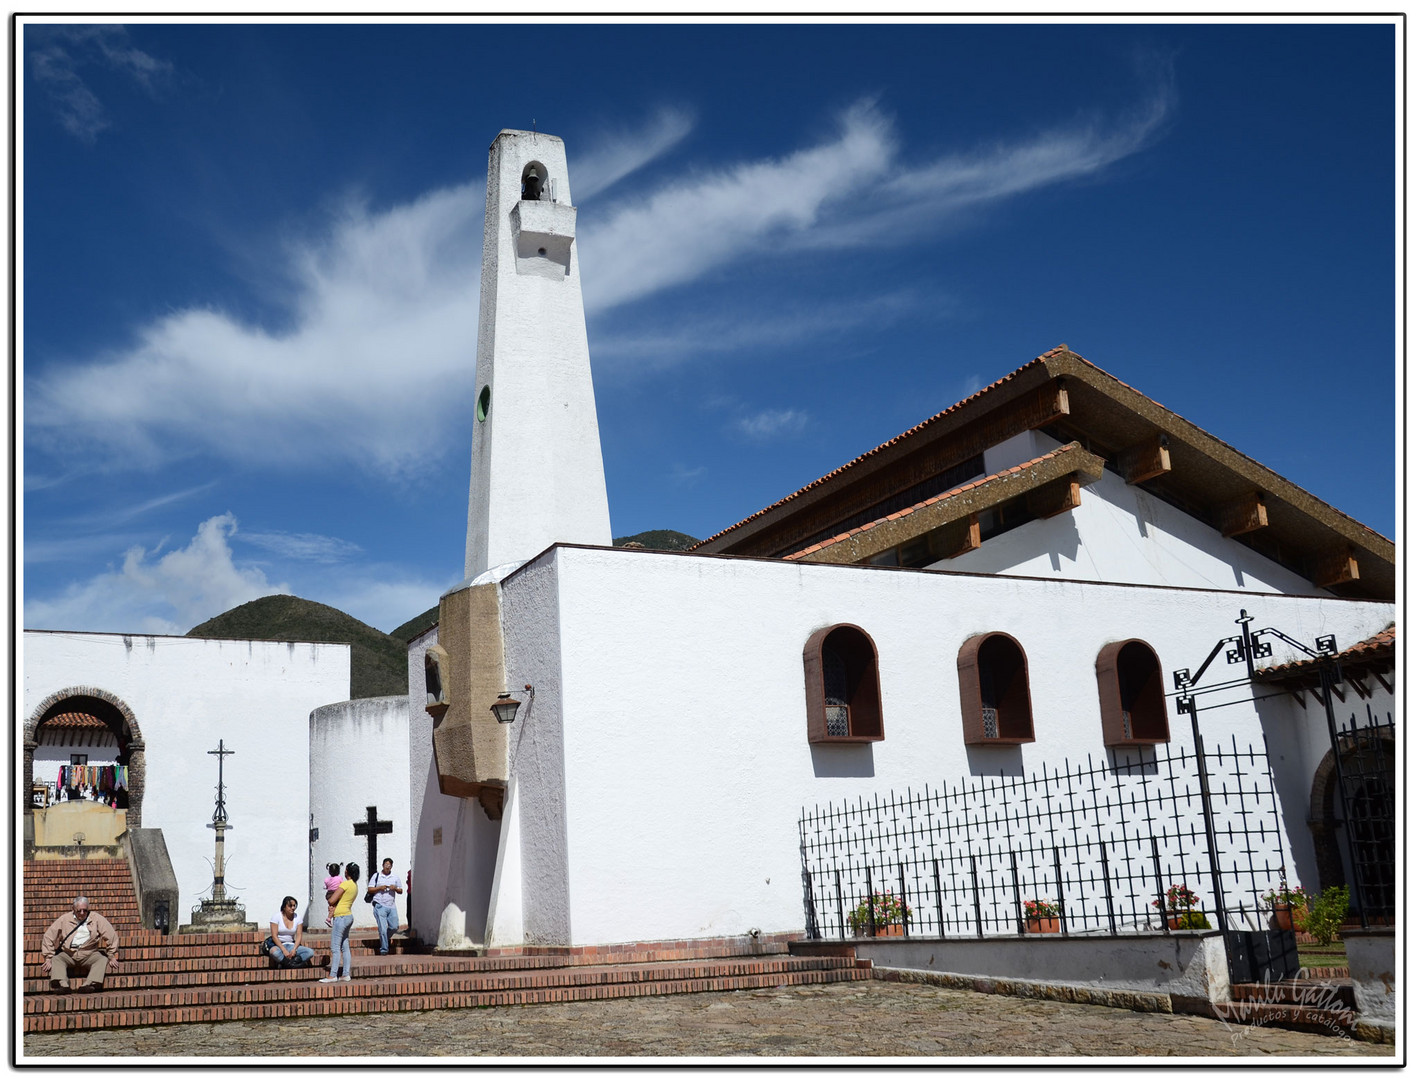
995	691
1131	700
485	402
840	674
436	699
534	183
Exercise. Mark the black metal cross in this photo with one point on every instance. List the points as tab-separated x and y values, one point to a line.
220	814
370	829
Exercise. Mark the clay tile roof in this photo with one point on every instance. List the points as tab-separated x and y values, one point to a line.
75	720
890	442
1032	463
1378	647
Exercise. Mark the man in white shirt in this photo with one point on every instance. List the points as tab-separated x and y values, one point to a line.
382	888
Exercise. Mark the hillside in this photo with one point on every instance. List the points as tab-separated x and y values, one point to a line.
406	632
658	540
378	662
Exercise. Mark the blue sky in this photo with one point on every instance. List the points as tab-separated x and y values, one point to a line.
249	266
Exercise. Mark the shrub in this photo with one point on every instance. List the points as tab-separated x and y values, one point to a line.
1328	911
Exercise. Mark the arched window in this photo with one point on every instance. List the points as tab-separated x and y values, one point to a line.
1131	698
995	691
844	698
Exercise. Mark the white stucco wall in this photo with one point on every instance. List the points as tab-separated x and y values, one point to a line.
185	695
359	757
666	762
1120	533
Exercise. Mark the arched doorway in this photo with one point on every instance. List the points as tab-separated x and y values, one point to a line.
1352	817
84	723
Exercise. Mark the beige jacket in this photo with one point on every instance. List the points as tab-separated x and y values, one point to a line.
103	938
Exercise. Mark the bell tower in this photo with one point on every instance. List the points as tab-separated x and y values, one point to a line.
537	476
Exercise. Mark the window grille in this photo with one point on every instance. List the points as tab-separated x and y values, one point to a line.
990	720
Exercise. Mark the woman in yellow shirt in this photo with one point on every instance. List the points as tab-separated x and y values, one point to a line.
343	898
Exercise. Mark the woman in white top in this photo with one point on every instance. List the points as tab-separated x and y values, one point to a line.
284	944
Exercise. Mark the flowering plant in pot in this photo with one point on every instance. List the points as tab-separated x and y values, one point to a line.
1180	903
886	915
1288	906
1041	917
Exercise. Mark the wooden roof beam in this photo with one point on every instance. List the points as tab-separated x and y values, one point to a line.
1057	497
1146	460
1243	515
956	538
1336	568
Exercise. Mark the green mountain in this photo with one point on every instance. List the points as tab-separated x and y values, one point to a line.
379	662
407	632
658	540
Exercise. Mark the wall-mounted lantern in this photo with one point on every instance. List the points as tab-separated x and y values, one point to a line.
505	708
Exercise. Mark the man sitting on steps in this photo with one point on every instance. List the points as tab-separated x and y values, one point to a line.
80	942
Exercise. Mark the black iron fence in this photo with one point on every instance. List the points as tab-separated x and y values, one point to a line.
1118	846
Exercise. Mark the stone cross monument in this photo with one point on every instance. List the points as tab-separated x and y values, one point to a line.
537	475
221	913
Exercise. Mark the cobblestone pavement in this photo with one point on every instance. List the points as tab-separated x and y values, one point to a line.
872	1019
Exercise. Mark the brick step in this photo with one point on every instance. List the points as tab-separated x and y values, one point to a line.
67	889
113	910
1323	1021
111	1008
162	970
169	962
1311	992
151	945
1314	973
258	971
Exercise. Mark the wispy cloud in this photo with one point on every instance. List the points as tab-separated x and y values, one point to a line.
690	226
383	304
854	190
614	155
385	314
685	476
770	424
58	52
670	342
158	593
971	384
306	547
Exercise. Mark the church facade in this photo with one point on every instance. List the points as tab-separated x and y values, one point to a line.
943	607
605	745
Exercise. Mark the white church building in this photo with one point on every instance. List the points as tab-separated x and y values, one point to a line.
1008	586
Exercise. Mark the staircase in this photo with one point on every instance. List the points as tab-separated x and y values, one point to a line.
1326	1008
162	979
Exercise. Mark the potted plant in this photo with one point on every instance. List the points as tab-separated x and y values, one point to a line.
1041	917
885	916
1288	906
1180	902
